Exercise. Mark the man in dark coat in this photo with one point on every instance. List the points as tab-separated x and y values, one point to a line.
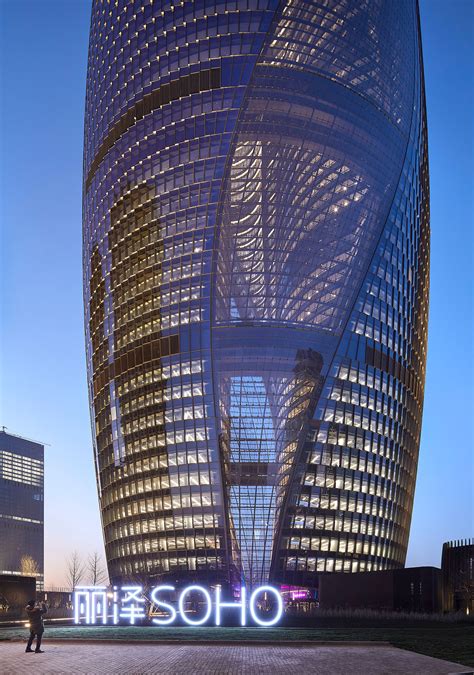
35	615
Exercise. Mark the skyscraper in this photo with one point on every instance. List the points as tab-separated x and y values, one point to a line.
256	253
21	507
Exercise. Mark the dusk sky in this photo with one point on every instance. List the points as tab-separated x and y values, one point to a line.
43	379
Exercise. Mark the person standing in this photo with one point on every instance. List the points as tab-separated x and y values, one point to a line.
35	614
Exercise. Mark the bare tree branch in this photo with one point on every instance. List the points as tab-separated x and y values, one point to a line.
75	570
96	572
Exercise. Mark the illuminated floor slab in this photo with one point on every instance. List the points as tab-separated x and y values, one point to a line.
128	659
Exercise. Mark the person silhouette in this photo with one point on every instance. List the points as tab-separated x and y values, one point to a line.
35	614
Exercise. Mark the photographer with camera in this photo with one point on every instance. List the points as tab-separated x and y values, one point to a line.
35	612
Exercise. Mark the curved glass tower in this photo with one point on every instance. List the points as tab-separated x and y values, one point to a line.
256	266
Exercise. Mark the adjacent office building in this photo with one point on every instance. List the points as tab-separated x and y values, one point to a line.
256	268
21	508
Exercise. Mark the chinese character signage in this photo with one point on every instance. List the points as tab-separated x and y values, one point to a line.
162	605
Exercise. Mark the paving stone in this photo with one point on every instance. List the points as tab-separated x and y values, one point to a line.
175	659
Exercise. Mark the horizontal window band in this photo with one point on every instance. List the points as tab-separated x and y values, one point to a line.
146	353
204	80
405	374
21	519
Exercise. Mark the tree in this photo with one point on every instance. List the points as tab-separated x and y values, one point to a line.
464	590
96	572
29	566
75	570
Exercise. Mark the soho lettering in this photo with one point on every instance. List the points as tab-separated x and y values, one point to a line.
93	604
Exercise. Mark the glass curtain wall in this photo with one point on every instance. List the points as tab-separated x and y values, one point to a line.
256	251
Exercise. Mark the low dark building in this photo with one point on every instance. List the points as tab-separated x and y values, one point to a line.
457	566
418	589
15	592
414	589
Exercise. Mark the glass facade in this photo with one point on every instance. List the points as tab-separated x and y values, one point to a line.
256	267
21	507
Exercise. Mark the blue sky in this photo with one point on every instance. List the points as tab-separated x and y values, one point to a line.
43	381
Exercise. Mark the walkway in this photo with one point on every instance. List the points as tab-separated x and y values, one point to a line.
175	659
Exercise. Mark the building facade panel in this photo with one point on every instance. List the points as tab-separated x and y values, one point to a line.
21	508
255	272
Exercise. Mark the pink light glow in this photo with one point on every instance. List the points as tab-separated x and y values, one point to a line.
297	595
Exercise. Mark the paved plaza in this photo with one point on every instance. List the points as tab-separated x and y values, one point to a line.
176	659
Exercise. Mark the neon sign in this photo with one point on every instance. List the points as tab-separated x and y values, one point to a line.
129	604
